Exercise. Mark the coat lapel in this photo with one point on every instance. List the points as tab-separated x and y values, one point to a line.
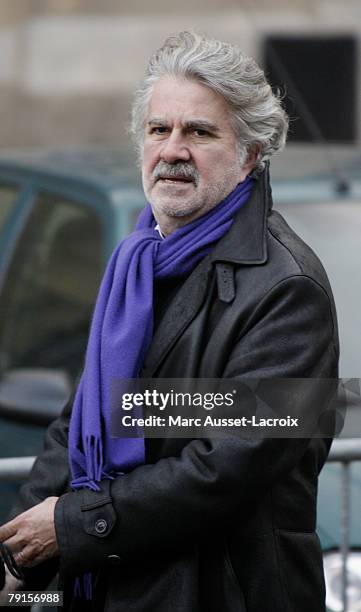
246	241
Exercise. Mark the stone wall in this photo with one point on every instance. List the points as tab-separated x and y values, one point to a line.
68	68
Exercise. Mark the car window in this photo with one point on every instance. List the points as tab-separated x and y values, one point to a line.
8	195
48	296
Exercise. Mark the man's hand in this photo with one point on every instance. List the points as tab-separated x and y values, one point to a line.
31	536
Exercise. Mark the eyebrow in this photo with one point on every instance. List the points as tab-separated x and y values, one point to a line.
193	124
201	124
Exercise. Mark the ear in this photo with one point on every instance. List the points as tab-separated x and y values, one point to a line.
251	161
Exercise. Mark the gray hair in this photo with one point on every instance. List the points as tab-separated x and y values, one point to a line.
256	112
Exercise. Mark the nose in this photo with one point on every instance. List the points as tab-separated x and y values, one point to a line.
175	148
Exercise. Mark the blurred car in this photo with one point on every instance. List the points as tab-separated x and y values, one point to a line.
61	214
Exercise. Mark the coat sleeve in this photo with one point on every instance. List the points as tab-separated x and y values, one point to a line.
178	499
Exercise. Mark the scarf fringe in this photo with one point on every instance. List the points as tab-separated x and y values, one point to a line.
83	587
94	457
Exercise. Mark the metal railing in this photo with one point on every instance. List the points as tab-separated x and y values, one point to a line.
14	468
342	451
345	452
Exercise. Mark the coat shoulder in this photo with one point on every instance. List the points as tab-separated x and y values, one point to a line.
291	254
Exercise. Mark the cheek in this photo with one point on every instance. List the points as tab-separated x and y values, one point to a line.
206	162
150	154
218	163
211	166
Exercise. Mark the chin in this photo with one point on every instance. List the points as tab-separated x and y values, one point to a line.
169	209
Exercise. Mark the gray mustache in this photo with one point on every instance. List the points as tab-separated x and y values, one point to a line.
182	170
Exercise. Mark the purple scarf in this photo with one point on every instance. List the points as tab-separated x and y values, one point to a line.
122	330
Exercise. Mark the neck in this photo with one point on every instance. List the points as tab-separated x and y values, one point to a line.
168	225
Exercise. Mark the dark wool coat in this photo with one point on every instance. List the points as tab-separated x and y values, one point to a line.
212	525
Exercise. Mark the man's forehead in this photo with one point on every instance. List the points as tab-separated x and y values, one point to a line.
183	99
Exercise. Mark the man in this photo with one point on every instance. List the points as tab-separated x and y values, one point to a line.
202	525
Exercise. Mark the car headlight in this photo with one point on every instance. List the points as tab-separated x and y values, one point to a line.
332	563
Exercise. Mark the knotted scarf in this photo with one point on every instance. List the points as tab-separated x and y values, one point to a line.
122	330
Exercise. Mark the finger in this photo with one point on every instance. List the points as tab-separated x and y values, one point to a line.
26	557
22	556
15	543
8	530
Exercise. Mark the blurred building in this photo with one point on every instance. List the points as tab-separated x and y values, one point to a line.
68	68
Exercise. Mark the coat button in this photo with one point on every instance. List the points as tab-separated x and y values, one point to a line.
101	526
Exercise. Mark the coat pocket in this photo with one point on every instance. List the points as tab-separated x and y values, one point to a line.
219	586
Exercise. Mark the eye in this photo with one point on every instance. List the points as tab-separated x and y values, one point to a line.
200	133
159	129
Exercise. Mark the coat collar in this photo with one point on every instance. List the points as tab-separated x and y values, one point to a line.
245	243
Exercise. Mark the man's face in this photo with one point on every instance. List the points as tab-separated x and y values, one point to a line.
190	158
